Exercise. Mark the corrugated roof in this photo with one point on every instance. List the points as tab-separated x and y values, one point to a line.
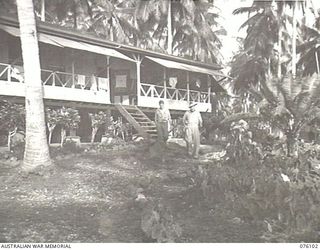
182	66
63	42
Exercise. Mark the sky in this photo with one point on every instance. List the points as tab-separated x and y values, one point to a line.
232	23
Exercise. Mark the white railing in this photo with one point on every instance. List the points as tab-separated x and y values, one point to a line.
154	91
11	73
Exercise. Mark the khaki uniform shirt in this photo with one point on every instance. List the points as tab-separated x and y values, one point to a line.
162	115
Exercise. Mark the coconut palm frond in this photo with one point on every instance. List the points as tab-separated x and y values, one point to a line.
243	10
252	21
308	45
314	89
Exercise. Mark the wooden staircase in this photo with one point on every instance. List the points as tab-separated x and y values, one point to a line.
142	124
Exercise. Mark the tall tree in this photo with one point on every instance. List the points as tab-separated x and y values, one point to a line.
114	20
69	13
36	152
185	27
252	64
294	39
309	50
267	43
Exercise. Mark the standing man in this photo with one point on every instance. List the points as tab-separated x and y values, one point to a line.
162	120
192	121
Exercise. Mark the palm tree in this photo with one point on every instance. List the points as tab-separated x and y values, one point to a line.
309	50
254	62
69	13
184	28
114	20
290	105
267	42
36	152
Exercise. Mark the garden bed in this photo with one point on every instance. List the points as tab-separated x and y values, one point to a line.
125	195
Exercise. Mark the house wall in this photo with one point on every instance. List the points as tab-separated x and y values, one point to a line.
14	51
152	73
4	51
125	95
52	57
61	59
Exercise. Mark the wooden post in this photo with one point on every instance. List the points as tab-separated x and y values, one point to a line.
209	88
9	73
72	69
317	62
53	78
108	77
43	10
165	82
138	63
188	86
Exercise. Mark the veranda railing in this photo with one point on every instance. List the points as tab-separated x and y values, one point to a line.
155	91
56	78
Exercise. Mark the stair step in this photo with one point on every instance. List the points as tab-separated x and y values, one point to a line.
141	118
151	130
141	123
144	126
129	107
136	113
151	126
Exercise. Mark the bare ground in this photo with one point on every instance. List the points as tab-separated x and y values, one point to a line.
91	198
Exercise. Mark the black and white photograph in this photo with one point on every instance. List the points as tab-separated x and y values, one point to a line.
159	121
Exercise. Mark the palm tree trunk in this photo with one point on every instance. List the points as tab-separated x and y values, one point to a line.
75	15
317	62
269	67
36	145
294	40
279	46
169	23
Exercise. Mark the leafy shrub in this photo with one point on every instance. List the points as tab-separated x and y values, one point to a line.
98	120
69	119
158	223
12	119
279	192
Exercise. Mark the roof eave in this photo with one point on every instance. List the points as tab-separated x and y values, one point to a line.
67	33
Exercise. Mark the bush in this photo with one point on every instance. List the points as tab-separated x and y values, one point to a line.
278	192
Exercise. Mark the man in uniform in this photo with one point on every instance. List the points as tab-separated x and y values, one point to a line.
192	121
162	120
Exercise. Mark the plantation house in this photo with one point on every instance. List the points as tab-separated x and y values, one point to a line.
87	72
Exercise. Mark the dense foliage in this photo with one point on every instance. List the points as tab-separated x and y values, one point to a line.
12	119
99	120
194	26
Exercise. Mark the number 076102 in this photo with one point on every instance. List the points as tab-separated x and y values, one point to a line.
309	245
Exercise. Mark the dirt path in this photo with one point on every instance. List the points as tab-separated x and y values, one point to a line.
91	198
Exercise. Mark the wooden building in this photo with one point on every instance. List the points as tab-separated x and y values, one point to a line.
84	71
